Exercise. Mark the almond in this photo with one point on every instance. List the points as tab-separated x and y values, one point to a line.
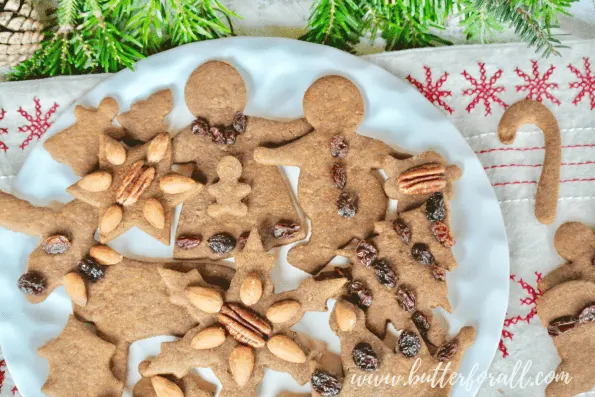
157	148
346	317
105	255
251	290
96	182
207	300
111	219
241	364
154	213
115	153
176	184
283	311
75	288
208	338
165	388
286	349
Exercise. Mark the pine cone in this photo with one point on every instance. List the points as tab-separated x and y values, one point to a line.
20	31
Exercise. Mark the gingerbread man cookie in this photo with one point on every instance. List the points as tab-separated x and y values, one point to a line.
338	188
228	192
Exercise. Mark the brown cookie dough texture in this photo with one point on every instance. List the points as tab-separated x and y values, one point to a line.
334	107
391	362
216	92
146	118
79	364
239	354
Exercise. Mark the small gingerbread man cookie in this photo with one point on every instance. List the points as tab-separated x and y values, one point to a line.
229	192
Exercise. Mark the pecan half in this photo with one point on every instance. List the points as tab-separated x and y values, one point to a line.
136	181
245	325
423	179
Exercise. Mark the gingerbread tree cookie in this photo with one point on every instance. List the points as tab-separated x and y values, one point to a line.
575	242
135	187
146	119
216	94
228	191
247	328
567	310
79	364
366	356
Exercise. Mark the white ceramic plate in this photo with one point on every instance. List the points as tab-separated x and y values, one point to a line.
277	72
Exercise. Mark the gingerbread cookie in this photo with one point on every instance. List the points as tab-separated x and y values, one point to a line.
567	310
216	95
247	328
79	364
365	356
413	180
77	146
146	119
228	191
135	187
169	386
574	242
338	189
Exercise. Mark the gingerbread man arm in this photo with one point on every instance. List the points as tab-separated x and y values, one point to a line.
291	154
20	216
278	131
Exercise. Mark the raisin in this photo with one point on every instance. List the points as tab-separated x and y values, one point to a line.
561	325
336	273
438	273
221	243
239	122
408	344
593	261
446	352
421	322
32	283
442	234
384	273
188	242
363	296
217	135
339	147
347	204
325	384
421	253
242	240
230	135
402	230
587	315
200	126
285	230
56	244
366	252
435	209
91	270
406	299
365	357
339	175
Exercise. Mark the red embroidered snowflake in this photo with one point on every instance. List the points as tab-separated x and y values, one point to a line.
432	91
537	87
2	373
3	131
586	83
14	390
531	300
38	124
484	90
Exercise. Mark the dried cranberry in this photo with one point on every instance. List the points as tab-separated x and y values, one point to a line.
242	240
402	230
408	344
221	243
325	384
435	208
229	135
363	296
339	147
188	242
366	252
285	230
438	273
200	126
442	234
384	273
32	283
217	135
421	322
339	175
561	325
421	253
406	299
587	315
91	270
56	244
365	357
347	204
447	351
239	122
